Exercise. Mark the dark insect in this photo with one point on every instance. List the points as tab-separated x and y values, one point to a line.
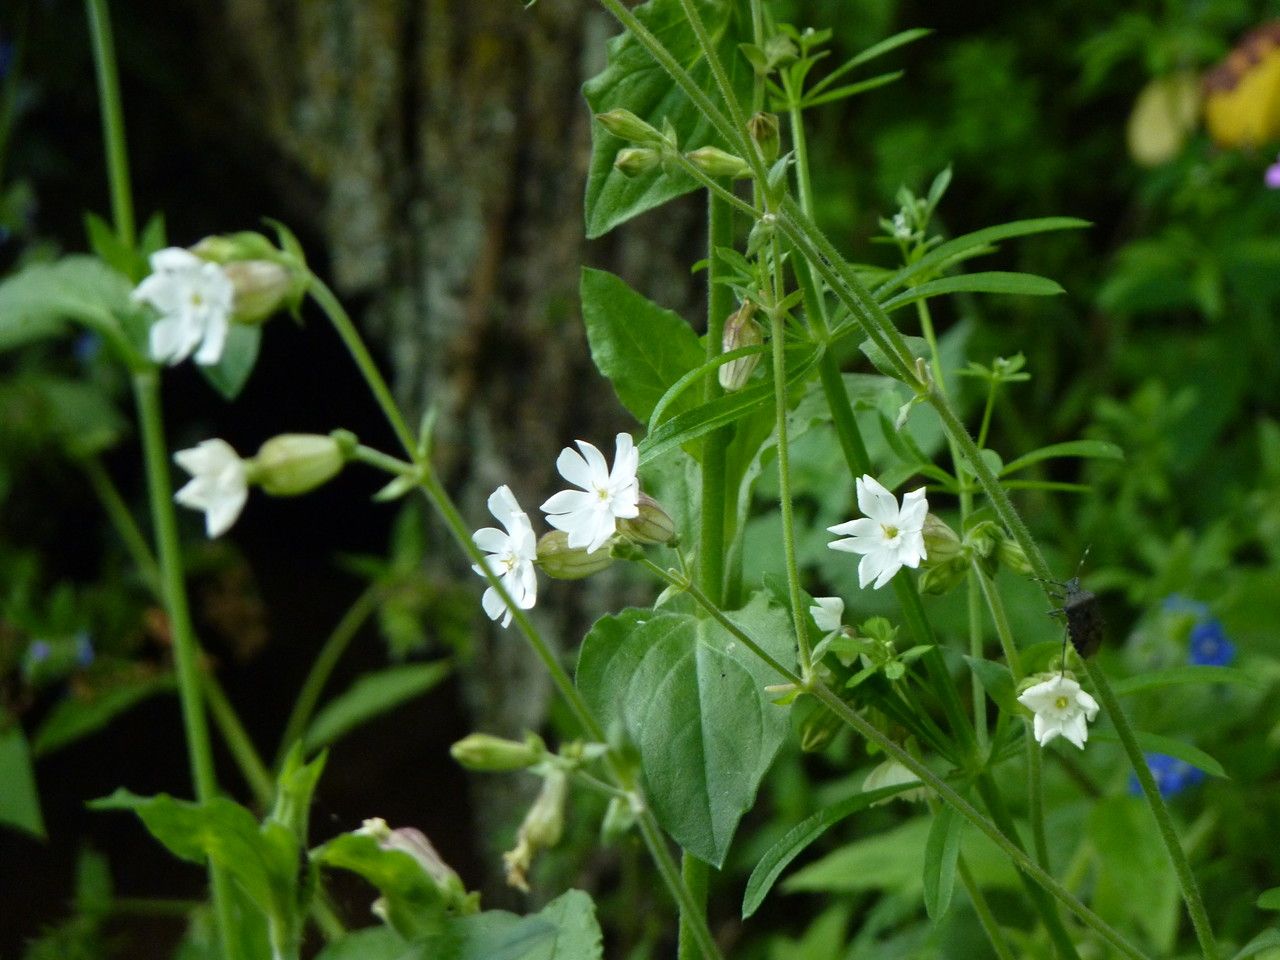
1082	614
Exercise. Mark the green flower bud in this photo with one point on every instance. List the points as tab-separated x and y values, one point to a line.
763	128
227	248
818	729
541	829
941	543
983	537
557	559
489	754
653	525
295	463
625	124
740	330
619	818
262	287
633	161
943	577
717	163
1013	557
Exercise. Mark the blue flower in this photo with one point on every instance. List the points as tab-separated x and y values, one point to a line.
84	649
39	651
1171	775
1209	646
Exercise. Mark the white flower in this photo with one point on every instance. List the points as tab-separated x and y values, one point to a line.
888	538
219	484
510	555
827	613
1062	709
194	299
590	516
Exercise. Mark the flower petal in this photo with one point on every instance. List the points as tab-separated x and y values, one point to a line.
574	468
876	502
491	540
595	463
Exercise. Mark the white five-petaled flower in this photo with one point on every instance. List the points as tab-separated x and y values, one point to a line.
219	483
194	298
510	555
827	613
888	537
590	516
1062	709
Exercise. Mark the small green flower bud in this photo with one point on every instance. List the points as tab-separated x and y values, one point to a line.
983	537
1013	557
619	818
295	463
653	525
941	544
557	559
716	163
625	124
541	829
740	330
262	287
227	248
943	577
818	729
633	161
763	128
489	754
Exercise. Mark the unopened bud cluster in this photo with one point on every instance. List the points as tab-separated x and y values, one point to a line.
950	557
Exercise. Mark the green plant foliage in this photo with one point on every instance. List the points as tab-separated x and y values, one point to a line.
37	302
79	716
20	800
371	696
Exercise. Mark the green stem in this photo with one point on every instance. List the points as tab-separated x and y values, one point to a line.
237	739
104	57
322	668
122	519
990	926
670	874
1035	797
146	390
988	408
695	877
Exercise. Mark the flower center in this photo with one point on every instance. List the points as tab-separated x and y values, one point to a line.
1061	703
602	494
890	531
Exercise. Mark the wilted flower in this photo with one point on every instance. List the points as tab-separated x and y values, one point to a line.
827	613
1061	709
541	829
194	299
1209	646
219	483
888	537
590	516
511	556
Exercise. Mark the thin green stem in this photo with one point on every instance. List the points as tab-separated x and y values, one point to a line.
711	534
990	926
146	390
695	877
381	461
993	387
122	519
104	57
999	619
344	631
346	330
237	739
1035	798
671	876
717	68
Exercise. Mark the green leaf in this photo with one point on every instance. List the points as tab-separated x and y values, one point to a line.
80	417
566	929
1177	676
295	786
415	906
36	302
1026	284
941	851
373	943
19	798
1263	941
1095	449
372	695
1269	899
873	51
997	681
229	375
1134	886
634	81
692	699
1179	750
796	840
851	89
77	716
114	252
639	347
723	410
972	244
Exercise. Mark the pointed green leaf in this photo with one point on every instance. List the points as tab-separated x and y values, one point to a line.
1266	940
566	929
1269	899
36	302
1177	676
1089	449
75	717
692	700
372	695
873	51
796	840
1178	749
941	851
229	375
1026	284
997	681
641	348
19	798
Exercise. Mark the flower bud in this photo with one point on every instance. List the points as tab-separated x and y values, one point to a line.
940	578
625	124
740	330
415	843
818	729
717	163
261	288
542	827
227	248
763	128
983	537
295	463
653	525
1013	557
619	818
633	161
941	543
563	562
489	754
